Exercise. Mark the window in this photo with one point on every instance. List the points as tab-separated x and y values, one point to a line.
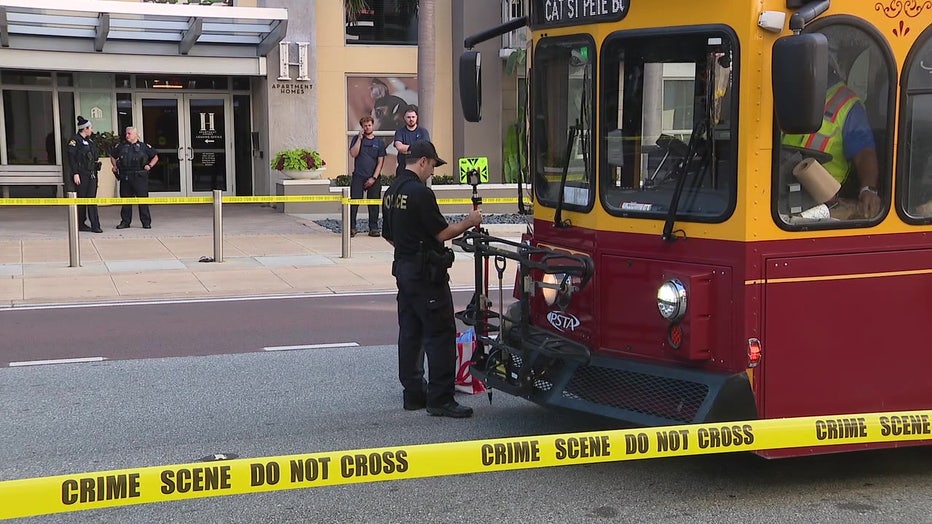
123	81
385	99
678	97
29	126
512	9
915	167
381	22
200	2
667	134
840	176
67	121
27	78
124	104
562	126
211	83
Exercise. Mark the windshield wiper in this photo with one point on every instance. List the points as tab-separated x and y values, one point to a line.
570	142
699	130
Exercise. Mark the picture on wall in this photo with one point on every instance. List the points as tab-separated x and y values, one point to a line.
385	99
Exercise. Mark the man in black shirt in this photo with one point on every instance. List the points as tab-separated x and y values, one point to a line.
414	225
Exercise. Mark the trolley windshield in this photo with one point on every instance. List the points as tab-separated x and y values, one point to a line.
667	133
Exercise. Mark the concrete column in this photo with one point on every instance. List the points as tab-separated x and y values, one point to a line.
290	106
484	138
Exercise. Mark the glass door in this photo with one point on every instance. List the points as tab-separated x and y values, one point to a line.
208	143
161	129
192	135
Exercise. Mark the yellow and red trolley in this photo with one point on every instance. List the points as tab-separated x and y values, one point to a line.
680	266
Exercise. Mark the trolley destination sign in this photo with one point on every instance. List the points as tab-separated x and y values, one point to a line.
553	13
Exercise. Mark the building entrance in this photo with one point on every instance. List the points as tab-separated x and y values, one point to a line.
193	134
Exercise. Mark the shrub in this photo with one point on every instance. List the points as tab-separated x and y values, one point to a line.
297	160
105	142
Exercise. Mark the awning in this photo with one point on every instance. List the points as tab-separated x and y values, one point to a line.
142	29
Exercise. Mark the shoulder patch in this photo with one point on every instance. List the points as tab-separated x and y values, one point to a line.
72	143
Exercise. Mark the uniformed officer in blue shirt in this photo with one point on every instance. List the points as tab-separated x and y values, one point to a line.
414	225
133	160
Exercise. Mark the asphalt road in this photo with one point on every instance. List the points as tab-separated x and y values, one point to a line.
186	328
158	410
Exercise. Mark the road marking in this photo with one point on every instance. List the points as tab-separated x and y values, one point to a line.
79	360
312	346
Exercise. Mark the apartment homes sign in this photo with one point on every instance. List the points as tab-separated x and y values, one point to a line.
301	84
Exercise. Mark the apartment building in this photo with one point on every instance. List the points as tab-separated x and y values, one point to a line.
218	87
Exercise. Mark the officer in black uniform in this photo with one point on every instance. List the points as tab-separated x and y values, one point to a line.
133	160
82	156
414	225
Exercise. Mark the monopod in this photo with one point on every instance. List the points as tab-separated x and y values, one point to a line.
480	301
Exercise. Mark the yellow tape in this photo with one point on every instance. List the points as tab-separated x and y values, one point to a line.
501	200
226	200
100	201
34	202
165	200
440	201
102	489
274	198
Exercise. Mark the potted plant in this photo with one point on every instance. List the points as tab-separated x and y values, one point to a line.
299	163
105	142
106	182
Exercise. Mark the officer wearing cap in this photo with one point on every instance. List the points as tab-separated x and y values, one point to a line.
82	156
133	160
414	225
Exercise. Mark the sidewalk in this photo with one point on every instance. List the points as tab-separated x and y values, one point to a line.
265	252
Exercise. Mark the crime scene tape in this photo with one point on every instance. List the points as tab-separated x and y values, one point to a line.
503	200
440	201
226	200
125	487
275	198
362	201
102	201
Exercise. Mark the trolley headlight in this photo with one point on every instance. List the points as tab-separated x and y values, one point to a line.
671	300
557	289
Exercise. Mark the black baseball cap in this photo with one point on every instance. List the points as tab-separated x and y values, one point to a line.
423	148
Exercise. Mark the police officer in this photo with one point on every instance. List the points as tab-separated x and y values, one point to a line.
82	156
133	160
414	226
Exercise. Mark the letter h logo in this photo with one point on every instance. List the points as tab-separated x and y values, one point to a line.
285	63
207	123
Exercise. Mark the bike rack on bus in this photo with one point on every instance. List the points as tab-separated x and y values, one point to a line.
511	354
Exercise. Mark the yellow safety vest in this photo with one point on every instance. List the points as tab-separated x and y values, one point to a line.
839	101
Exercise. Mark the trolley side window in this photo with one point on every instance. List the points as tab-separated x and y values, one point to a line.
840	175
915	167
668	138
563	101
